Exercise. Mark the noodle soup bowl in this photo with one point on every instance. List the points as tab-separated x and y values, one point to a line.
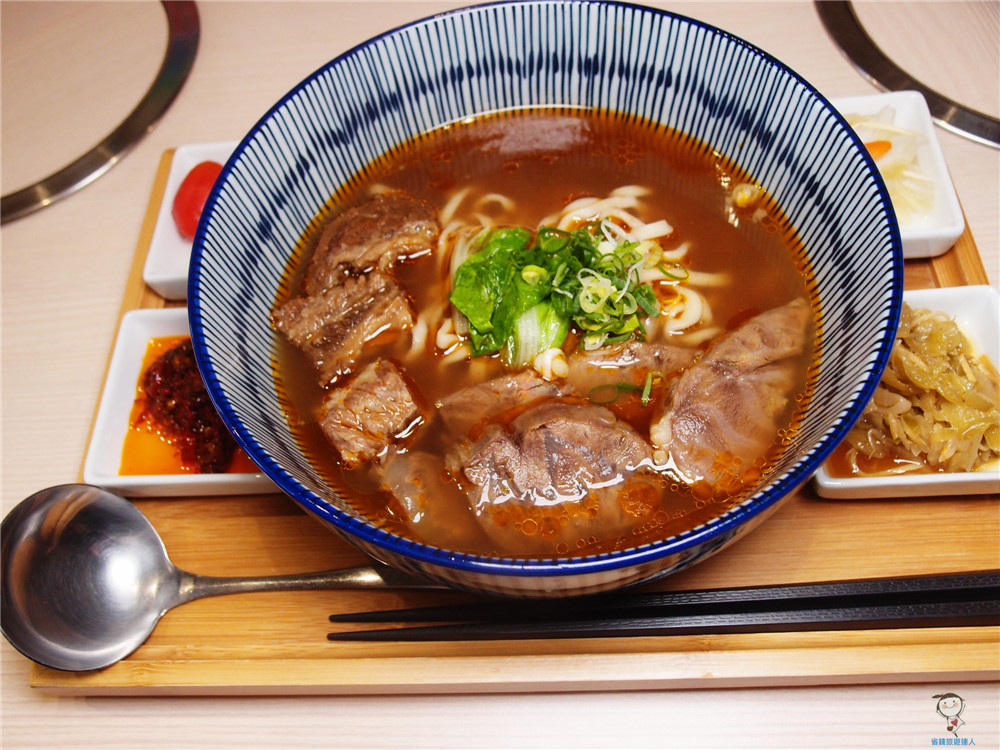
640	62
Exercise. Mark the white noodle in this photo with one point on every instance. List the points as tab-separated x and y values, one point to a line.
700	336
628	219
461	248
702	278
632	190
678	252
586	210
446	244
503	201
457	354
686	313
451	207
551	364
418	338
446	337
651	231
459	322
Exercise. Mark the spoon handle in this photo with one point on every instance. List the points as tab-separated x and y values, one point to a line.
373	576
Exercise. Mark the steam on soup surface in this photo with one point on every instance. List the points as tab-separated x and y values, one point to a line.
546	332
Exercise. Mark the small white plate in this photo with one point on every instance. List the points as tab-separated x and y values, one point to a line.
104	454
935	233
166	269
976	309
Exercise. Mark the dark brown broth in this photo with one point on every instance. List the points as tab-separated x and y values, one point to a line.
543	159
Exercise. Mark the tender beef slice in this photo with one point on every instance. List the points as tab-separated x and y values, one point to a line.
557	475
723	413
556	451
362	418
332	328
372	235
628	362
433	507
464	409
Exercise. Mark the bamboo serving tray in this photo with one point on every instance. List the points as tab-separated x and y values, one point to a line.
275	643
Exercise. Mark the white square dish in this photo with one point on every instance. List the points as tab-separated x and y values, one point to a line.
166	269
976	309
104	454
936	232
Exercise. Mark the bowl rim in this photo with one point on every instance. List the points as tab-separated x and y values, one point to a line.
718	529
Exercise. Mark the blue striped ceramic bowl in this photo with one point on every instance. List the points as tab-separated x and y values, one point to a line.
691	77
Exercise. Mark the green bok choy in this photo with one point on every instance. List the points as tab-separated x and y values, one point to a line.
522	293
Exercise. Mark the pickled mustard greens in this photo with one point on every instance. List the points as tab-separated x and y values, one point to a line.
936	407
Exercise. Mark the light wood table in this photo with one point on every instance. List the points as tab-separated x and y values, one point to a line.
71	71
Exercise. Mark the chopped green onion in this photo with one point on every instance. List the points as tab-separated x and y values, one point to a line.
618	339
674	271
561	270
608	393
630	305
647	301
648	388
534	274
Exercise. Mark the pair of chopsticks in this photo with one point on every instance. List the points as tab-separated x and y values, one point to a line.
966	599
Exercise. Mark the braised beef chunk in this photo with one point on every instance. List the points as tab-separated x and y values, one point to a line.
176	399
470	406
557	474
628	362
347	300
724	412
372	235
362	418
332	327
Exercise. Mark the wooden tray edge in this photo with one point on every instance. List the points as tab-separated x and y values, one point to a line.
962	265
964	652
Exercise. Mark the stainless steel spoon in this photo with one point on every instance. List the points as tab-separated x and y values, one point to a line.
86	578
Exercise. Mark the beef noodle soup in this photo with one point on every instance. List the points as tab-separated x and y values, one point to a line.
546	332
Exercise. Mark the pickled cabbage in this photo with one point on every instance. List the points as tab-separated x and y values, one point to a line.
936	407
894	150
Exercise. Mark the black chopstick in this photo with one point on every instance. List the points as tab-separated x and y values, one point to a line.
928	615
798	596
920	601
